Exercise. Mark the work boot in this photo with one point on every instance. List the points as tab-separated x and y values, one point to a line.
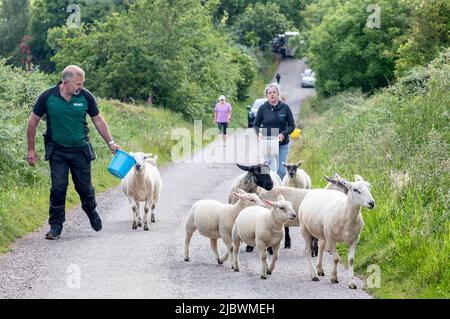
54	232
95	220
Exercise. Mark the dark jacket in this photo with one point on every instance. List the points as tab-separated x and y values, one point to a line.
279	117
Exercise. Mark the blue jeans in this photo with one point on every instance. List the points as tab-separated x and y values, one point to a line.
276	160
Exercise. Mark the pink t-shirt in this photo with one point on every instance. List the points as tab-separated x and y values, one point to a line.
223	112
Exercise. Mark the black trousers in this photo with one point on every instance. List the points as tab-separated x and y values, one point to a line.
222	127
61	161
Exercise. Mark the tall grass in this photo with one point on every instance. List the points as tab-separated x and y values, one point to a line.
399	141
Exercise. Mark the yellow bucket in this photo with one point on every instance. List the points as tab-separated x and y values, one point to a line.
296	133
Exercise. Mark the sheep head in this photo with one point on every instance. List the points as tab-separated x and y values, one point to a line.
281	209
292	168
260	175
359	191
141	160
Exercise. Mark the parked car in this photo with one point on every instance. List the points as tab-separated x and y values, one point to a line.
253	109
308	78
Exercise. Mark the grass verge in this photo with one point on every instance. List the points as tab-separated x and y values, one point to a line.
399	141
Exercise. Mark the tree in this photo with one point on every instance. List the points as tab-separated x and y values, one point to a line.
260	23
170	49
346	53
429	34
47	14
13	26
231	9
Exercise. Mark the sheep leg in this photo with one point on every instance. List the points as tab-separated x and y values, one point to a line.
287	238
334	277
215	249
136	215
229	243
276	253
351	255
190	229
308	238
146	206
319	266
234	261
153	213
261	247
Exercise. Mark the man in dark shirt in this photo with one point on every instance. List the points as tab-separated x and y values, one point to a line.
67	145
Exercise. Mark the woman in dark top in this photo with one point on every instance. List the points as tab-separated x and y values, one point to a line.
275	119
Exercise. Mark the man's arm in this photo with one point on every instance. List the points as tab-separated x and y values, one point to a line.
33	123
103	129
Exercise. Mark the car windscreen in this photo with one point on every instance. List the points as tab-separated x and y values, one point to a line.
257	104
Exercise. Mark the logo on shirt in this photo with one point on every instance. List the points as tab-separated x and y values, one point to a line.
77	104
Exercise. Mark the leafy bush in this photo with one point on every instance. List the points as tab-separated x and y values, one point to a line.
346	53
427	36
18	91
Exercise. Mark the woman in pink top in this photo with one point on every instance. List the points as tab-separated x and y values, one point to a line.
222	116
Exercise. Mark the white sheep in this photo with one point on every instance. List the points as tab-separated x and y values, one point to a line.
215	220
262	228
143	184
258	177
334	217
296	177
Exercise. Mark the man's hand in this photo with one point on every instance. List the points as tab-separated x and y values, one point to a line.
113	147
280	137
31	157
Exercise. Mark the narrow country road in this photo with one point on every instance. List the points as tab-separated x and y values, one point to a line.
121	263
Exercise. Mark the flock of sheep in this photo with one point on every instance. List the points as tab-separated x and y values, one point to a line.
260	206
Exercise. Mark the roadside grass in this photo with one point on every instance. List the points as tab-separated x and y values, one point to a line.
399	141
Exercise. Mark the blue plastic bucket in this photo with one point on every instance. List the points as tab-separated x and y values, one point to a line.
121	164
